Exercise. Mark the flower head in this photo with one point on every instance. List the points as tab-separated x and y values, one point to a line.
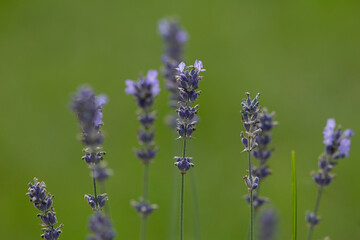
101	228
145	89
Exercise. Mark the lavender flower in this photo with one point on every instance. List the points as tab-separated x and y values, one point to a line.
88	108
188	81
268	221
174	40
262	152
143	207
144	91
250	120
43	202
101	228
337	146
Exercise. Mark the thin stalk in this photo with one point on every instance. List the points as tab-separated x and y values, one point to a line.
143	229
182	192
251	203
182	207
145	197
94	186
316	209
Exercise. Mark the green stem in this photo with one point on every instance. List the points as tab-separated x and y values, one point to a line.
182	192
316	209
251	203
94	186
145	197
182	207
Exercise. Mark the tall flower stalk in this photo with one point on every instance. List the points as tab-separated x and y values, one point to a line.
187	81
43	201
174	38
337	146
144	91
250	120
88	109
262	153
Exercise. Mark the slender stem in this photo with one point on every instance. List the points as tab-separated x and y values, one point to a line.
316	209
251	202
143	229
182	191
94	185
182	207
145	197
146	181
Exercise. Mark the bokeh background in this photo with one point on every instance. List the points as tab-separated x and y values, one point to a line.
302	56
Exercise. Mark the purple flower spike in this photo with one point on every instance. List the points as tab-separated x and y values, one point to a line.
199	66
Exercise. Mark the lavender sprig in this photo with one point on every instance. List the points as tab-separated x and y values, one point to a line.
88	109
250	120
337	146
174	38
144	91
268	221
187	81
262	153
43	202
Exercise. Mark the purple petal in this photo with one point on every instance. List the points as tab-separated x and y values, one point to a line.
101	100
348	133
181	67
329	132
199	66
344	146
164	27
182	36
130	87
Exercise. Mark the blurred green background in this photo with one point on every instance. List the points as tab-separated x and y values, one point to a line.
302	56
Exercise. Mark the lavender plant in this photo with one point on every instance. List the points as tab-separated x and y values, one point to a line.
43	201
174	38
268	221
144	91
88	109
250	120
337	146
187	81
262	153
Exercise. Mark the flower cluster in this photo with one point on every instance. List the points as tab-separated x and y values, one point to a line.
262	152
188	83
43	201
144	91
174	39
143	207
88	108
268	221
337	146
250	120
101	228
